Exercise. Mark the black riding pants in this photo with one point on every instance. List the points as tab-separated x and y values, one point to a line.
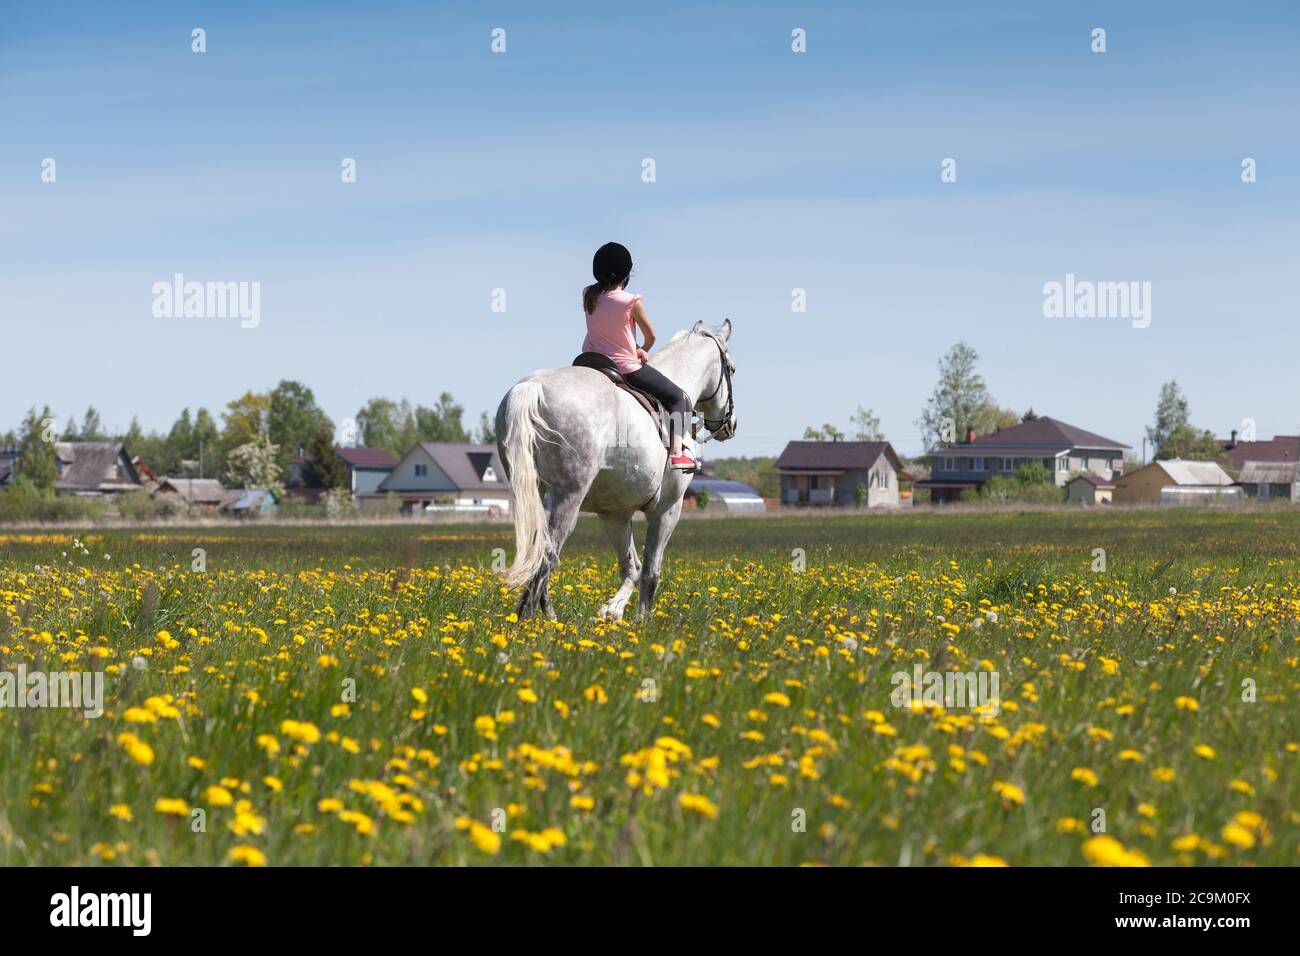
650	379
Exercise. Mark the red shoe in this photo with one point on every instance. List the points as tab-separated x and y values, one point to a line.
682	462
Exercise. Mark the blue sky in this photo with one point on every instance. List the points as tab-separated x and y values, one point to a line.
775	170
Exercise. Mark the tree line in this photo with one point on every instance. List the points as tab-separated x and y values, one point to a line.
259	436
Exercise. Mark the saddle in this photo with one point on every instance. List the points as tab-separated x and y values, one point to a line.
605	365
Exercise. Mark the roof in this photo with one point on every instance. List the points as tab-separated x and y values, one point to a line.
246	499
834	455
465	464
197	491
93	466
366	457
719	486
1277	448
1045	433
1269	473
1093	480
1182	472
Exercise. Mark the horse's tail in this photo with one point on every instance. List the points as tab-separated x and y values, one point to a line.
524	427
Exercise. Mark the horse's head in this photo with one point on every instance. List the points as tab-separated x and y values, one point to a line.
717	405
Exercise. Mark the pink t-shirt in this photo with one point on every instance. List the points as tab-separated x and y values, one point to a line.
611	330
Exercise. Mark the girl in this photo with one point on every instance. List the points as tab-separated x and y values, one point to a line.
613	315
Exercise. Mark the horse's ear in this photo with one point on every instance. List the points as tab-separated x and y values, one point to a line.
724	332
698	325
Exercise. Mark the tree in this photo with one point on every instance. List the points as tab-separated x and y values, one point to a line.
379	425
37	463
254	463
866	425
323	467
1171	417
487	434
1186	442
702	499
827	432
92	429
293	419
991	417
442	422
860	494
759	473
396	426
1034	473
958	398
244	419
1030	415
206	443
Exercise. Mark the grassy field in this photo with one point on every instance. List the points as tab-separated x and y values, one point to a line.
363	695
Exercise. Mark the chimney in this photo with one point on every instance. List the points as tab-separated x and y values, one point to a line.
1232	443
970	434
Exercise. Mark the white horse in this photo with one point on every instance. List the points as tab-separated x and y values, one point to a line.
572	433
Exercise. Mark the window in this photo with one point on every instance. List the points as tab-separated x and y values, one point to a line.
1264	491
1063	464
947	464
979	464
421	471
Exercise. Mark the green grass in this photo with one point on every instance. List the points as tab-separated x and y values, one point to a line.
1094	668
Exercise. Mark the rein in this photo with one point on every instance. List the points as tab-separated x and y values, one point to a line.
721	428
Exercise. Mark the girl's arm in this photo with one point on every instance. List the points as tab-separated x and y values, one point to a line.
643	323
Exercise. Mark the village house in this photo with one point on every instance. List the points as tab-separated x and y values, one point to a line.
1089	490
197	494
829	473
367	468
1278	448
94	468
1271	480
1176	481
444	476
1063	449
249	502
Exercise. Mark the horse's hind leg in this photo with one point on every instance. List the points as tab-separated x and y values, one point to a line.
563	518
619	529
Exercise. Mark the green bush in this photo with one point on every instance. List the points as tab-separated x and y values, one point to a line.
22	501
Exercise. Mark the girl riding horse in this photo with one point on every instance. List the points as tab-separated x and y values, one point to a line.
613	316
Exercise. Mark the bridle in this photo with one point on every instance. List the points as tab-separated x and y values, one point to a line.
724	427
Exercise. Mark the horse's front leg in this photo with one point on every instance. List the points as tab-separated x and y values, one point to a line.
618	527
659	529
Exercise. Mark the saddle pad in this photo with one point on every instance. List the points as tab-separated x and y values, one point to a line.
604	364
